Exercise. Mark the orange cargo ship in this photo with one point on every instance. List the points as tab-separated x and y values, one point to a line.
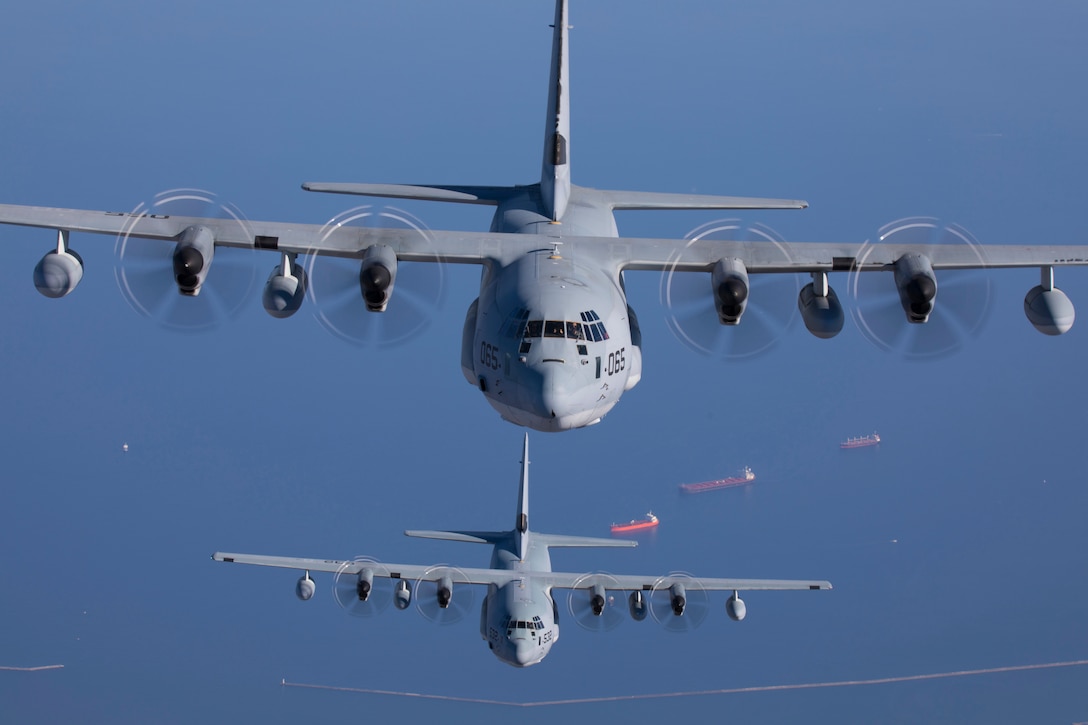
635	525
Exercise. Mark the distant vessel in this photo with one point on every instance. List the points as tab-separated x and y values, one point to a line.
860	442
636	525
741	480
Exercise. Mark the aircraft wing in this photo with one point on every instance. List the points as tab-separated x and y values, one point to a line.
412	572
764	257
481	247
470	247
630	582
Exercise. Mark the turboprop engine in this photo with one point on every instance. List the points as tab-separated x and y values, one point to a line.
59	271
193	258
678	599
730	282
917	286
285	288
377	273
444	592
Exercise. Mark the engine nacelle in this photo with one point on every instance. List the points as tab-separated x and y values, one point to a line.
678	599
364	583
1049	310
735	608
305	587
377	273
285	289
402	595
820	308
917	285
444	592
193	258
637	605
597	599
730	282
58	273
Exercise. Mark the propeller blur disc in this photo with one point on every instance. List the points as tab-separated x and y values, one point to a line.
580	602
418	289
696	605
345	587
144	269
427	590
961	306
689	299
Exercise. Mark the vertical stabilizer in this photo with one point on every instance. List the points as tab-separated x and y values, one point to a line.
555	175
521	525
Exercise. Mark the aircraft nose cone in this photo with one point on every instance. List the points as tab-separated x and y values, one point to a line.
554	397
524	652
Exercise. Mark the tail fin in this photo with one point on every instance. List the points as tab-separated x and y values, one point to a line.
555	174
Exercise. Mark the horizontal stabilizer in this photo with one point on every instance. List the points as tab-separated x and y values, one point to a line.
469	537
659	200
489	195
559	540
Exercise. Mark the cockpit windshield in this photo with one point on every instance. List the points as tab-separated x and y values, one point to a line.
591	329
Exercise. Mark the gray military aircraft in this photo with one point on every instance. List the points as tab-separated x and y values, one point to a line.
551	340
519	617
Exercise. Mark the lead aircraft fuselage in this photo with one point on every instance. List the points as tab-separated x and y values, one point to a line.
551	341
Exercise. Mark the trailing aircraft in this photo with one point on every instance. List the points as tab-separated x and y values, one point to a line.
551	341
519	617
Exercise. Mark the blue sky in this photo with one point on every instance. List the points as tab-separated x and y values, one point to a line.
274	437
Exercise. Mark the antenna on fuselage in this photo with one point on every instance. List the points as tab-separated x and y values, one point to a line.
555	251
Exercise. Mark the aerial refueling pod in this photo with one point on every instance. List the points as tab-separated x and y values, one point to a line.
1047	307
730	282
637	605
305	588
917	286
735	608
820	307
402	595
193	258
285	288
60	270
377	273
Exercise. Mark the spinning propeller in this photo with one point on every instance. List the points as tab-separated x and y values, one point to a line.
768	301
360	590
959	304
435	598
679	602
355	299
596	602
175	285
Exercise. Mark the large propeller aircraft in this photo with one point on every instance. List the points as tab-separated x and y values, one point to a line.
551	340
519	617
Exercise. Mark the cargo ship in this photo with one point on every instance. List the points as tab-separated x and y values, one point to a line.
745	478
860	442
636	525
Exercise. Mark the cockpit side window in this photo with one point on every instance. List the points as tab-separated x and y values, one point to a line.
514	325
534	328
